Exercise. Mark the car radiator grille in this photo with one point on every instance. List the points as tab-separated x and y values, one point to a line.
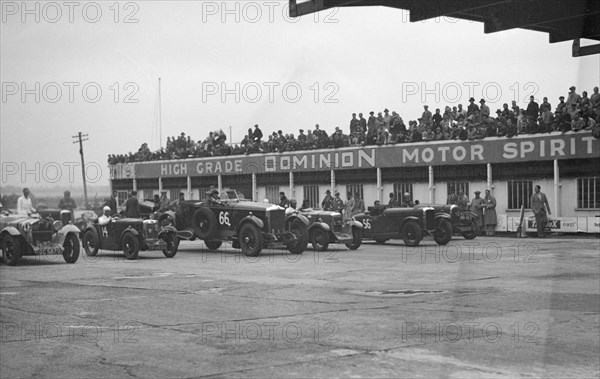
338	224
430	219
42	231
276	221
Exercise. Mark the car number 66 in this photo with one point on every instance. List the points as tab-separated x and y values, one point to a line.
367	223
224	218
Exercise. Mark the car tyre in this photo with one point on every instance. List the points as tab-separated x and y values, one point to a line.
412	233
11	250
71	248
131	246
172	245
319	239
90	243
213	245
471	234
356	239
443	234
251	240
301	242
204	223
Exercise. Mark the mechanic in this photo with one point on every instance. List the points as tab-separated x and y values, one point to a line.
24	204
164	202
67	202
132	206
105	218
338	203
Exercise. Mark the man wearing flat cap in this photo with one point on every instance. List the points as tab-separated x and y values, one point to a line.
484	109
283	200
164	202
573	98
477	205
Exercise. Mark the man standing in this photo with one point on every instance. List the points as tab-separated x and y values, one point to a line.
490	218
533	109
338	204
164	202
539	206
283	200
477	205
393	201
573	98
350	204
463	201
327	203
484	109
24	204
132	206
257	135
406	203
67	202
112	203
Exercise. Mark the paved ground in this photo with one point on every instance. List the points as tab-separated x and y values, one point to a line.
492	307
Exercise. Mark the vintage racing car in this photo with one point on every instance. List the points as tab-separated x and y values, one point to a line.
33	235
327	227
130	235
248	225
463	223
79	218
409	224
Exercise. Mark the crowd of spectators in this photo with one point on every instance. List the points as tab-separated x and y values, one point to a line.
573	113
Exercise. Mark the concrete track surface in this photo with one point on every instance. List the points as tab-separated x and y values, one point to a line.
492	308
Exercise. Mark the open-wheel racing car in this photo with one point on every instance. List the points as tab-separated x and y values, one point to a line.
248	225
33	235
409	224
130	235
327	227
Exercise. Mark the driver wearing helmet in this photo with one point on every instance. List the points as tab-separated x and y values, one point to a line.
105	218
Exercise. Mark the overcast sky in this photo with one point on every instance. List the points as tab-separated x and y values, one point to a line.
343	61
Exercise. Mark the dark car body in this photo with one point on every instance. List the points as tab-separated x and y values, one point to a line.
248	225
80	219
327	227
130	235
409	224
465	223
34	235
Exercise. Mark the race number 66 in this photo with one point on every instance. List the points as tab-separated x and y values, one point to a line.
224	218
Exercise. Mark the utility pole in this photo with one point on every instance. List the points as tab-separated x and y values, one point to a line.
79	138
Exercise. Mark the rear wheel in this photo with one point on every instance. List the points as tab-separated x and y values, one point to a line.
72	248
471	234
251	240
319	239
213	245
298	246
11	250
356	239
443	233
172	245
90	243
131	246
412	233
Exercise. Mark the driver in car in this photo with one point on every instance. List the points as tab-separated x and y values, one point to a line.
105	218
213	199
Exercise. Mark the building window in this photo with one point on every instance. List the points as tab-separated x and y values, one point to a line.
204	192
355	189
174	194
455	187
400	189
519	193
121	197
588	193
148	195
311	193
272	194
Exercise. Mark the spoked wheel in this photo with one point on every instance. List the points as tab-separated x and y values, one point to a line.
319	239
131	246
90	243
71	246
11	250
443	233
172	245
298	246
356	239
251	240
412	234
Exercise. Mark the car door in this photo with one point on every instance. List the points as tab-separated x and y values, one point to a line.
108	235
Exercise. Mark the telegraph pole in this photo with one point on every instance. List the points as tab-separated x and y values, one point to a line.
79	138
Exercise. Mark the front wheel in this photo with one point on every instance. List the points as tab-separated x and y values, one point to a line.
319	239
11	250
131	246
412	233
90	243
356	239
298	246
471	234
443	233
71	246
172	245
251	240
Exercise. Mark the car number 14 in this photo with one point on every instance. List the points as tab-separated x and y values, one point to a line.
224	218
